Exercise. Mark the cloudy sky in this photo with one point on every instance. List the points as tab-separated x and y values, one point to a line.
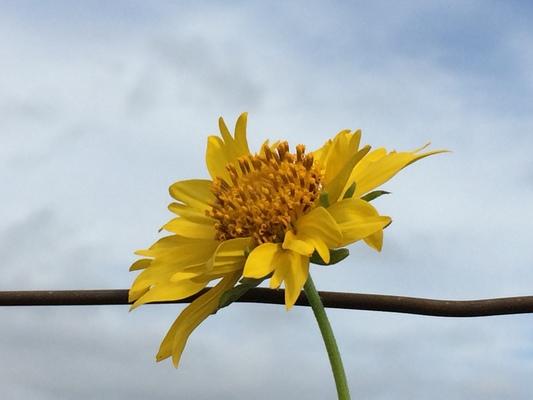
104	104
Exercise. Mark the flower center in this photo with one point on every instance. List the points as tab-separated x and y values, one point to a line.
268	192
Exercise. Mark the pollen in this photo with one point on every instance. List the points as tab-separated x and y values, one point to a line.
265	194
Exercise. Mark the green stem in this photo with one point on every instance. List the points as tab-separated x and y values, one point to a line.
329	339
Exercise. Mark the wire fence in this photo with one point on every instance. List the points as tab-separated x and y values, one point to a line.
351	301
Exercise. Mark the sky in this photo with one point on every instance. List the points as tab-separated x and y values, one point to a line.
103	105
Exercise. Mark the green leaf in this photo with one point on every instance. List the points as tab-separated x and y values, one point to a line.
349	193
335	256
374	195
324	199
236	292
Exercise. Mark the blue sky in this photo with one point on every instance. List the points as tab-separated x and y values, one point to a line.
103	105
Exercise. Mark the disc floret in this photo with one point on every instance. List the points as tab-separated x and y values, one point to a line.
266	194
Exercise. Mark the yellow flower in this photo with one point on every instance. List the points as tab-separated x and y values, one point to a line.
262	215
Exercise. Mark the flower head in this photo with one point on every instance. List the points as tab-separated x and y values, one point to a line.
263	215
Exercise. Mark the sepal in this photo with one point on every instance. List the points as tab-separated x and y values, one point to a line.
374	195
335	256
350	191
237	291
324	199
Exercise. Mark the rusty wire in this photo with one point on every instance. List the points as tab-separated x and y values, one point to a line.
352	301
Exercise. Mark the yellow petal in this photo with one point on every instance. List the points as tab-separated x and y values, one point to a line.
241	142
319	224
229	256
357	219
140	264
179	259
260	261
345	141
178	250
155	276
300	244
378	167
375	240
169	291
359	230
216	158
172	255
295	278
292	269
281	264
222	151
347	210
338	157
176	338
193	273
190	213
135	293
322	248
335	184
164	244
170	242
150	277
224	132
189	229
195	193
305	245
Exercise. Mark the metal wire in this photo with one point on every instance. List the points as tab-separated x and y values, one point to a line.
352	301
